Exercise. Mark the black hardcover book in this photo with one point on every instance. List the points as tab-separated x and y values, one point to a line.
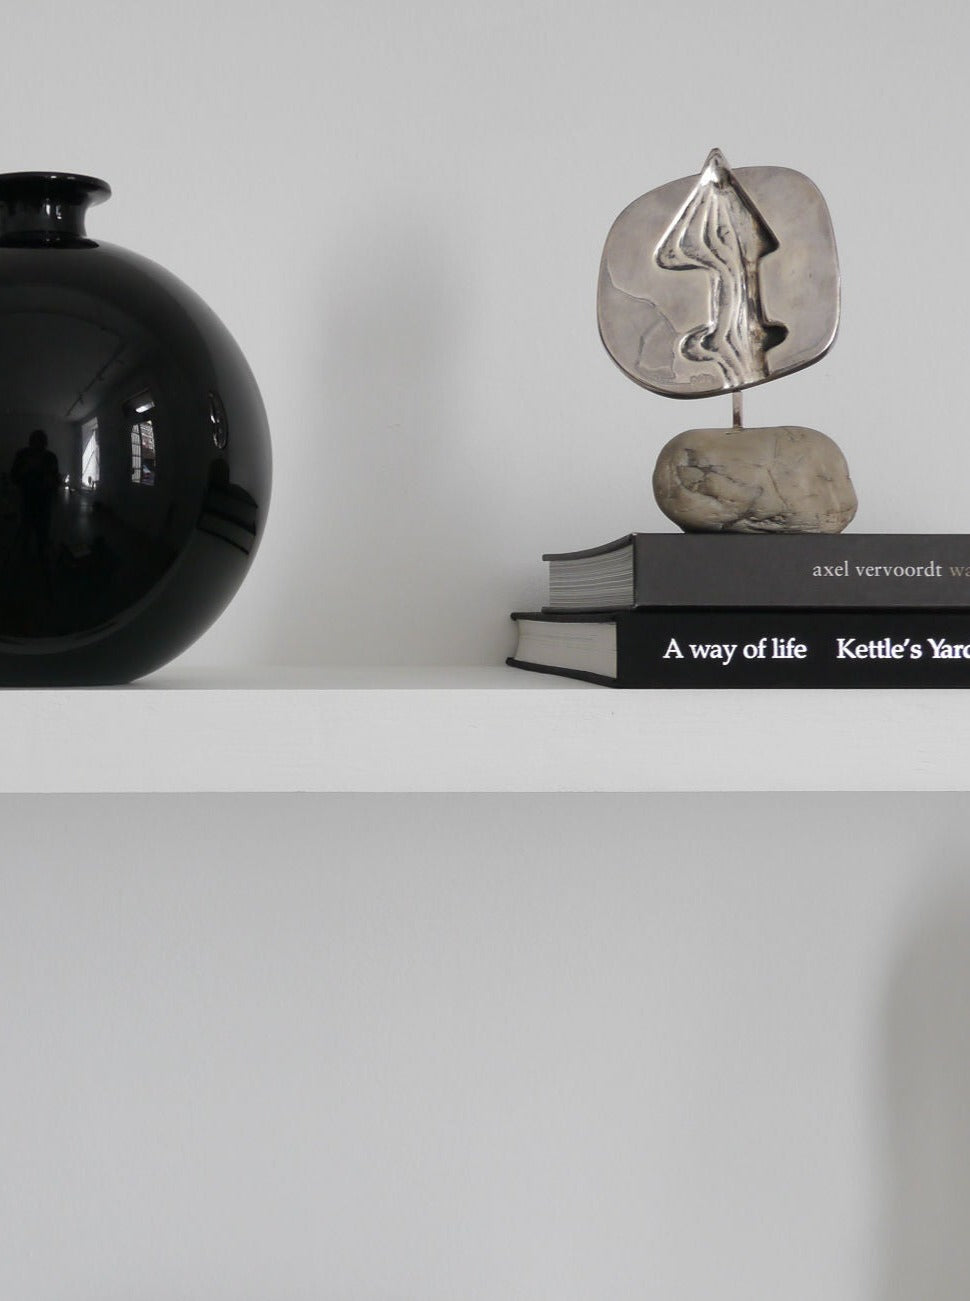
742	569
750	648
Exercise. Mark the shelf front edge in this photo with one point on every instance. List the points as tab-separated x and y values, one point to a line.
428	740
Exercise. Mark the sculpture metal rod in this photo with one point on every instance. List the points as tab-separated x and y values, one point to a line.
736	409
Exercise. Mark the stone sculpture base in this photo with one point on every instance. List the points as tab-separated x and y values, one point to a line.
778	479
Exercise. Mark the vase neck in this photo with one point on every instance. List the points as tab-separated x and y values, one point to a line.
47	207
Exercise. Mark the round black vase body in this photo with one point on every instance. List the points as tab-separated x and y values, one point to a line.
134	449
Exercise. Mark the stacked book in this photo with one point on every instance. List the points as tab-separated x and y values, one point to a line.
744	610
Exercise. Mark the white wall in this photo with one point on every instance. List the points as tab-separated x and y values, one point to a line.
398	207
485	1047
528	1048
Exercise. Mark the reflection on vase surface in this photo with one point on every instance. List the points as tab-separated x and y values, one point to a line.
134	450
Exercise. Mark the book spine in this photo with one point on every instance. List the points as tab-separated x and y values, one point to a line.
810	570
793	648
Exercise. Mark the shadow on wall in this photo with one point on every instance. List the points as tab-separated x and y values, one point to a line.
927	1072
394	494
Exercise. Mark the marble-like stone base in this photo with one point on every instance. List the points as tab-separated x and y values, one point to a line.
777	479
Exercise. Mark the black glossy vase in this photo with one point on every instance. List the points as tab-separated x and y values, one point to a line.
134	449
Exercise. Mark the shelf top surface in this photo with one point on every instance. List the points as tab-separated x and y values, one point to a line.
354	678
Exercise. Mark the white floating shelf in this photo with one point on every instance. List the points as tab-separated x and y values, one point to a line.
472	729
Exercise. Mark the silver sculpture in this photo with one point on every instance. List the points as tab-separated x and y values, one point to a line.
720	231
713	284
763	299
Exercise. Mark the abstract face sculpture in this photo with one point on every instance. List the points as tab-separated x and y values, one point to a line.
713	284
756	294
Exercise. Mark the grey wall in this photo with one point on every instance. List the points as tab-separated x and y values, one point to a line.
485	1047
399	211
481	1048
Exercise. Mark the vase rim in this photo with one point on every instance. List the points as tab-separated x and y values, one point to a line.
96	189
